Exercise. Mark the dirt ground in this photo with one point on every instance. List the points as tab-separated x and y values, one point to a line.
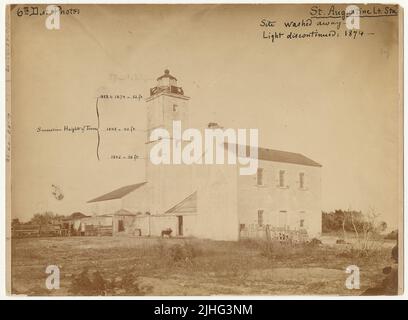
154	267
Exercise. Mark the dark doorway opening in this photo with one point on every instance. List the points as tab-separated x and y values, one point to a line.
121	226
180	225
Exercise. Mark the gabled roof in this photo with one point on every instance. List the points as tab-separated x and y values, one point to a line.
75	215
282	156
118	193
124	212
189	204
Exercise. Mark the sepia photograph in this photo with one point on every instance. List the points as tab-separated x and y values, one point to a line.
204	150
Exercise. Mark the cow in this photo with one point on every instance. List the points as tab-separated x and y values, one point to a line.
166	232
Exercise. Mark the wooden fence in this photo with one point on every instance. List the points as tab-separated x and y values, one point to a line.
267	232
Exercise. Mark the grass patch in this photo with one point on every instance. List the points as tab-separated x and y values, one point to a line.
128	266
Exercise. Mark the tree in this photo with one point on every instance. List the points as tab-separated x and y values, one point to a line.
47	217
342	220
371	229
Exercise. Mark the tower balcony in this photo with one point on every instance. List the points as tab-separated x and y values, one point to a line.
166	89
166	84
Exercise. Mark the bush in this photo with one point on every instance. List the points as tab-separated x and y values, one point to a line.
83	284
176	253
185	252
96	285
393	235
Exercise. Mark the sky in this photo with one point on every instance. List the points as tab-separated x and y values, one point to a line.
334	100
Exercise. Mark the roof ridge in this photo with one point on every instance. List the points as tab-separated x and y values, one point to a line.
118	193
281	156
183	201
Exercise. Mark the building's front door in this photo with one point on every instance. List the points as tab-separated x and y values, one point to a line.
180	225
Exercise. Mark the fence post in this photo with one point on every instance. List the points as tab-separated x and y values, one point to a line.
268	234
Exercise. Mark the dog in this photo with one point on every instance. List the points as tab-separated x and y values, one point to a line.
166	232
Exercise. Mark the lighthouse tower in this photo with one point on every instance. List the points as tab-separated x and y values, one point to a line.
167	183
